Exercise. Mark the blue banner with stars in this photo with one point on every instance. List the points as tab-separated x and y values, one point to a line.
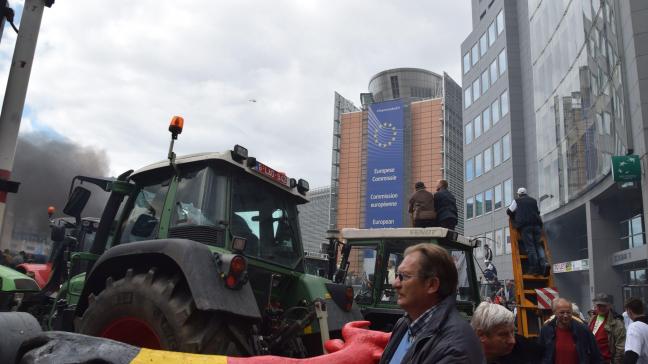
384	200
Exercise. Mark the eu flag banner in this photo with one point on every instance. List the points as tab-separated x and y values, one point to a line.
384	200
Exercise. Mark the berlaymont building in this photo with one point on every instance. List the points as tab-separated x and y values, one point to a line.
555	99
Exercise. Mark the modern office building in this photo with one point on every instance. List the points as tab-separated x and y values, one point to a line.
575	88
409	130
313	219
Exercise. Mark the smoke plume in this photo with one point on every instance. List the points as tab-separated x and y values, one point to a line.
45	168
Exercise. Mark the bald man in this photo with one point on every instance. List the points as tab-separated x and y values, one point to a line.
567	341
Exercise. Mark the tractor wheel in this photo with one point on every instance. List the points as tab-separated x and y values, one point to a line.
157	311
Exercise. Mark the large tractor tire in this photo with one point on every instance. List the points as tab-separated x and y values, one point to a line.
15	328
157	311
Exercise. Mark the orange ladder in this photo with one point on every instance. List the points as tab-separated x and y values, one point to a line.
529	317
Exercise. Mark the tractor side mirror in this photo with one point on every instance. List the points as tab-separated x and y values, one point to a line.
57	233
144	226
77	202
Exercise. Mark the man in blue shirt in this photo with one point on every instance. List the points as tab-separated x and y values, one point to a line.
432	331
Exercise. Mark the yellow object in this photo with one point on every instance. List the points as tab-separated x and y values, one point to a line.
530	318
148	356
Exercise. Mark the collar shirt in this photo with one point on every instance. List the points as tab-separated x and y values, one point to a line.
416	326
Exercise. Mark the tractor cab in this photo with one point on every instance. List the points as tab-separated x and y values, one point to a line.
370	259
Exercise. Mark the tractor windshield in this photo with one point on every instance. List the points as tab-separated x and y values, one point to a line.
372	273
144	218
266	217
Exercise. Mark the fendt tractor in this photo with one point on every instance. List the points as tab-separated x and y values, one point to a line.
203	254
370	258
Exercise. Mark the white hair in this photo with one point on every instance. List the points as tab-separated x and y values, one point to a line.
488	316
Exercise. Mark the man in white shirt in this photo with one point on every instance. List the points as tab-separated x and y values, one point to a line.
636	344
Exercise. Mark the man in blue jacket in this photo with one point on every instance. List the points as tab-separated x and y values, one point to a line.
567	341
432	331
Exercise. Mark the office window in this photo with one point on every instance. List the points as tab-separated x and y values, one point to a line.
484	81
483	44
470	205
632	233
466	63
493	72
475	54
477	126
506	147
497	202
504	103
469	170
488	201
476	89
499	241
479	204
479	167
488	160
492	35
502	62
394	86
508	192
495	111
497	153
490	238
486	121
469	133
467	97
500	23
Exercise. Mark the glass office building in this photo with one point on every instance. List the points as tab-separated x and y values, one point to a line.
575	72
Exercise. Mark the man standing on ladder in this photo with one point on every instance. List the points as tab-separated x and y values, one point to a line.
526	219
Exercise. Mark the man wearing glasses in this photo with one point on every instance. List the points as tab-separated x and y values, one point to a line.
567	341
432	331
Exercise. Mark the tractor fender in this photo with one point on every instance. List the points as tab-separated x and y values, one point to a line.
193	260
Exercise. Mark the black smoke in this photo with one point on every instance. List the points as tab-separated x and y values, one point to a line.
45	168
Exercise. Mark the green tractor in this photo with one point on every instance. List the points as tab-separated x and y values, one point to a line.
370	258
203	254
14	286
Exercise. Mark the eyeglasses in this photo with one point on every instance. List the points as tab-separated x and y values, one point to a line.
404	276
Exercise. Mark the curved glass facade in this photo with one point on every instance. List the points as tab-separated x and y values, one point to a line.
406	83
578	95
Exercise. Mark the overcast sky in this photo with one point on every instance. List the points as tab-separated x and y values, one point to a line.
110	74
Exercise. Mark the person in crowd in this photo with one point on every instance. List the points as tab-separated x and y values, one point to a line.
488	253
390	275
565	340
636	345
526	218
421	207
509	293
445	205
432	330
608	329
495	328
490	272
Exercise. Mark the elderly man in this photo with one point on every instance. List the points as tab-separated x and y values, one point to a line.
432	331
636	346
495	328
567	341
608	329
